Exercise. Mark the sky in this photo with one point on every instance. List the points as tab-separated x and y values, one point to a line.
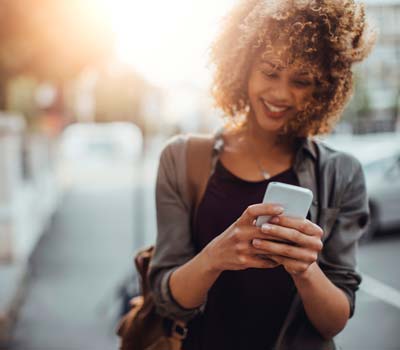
167	41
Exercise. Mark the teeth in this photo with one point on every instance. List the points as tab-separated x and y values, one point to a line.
275	109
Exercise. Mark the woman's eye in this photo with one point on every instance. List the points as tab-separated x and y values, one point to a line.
270	74
302	83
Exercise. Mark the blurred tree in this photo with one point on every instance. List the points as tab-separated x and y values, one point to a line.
359	107
362	98
121	94
118	93
21	97
52	40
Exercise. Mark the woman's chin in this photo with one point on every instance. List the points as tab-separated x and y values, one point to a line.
270	126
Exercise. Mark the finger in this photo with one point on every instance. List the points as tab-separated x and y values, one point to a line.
258	252
254	253
261	262
285	234
251	232
253	211
247	233
291	265
303	225
285	250
275	238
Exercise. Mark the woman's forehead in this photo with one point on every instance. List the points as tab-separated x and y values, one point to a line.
283	59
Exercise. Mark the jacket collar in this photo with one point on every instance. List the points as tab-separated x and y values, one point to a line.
305	144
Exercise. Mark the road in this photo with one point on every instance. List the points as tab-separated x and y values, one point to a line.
87	251
376	323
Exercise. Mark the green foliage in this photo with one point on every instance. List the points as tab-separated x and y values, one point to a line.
21	91
360	104
118	96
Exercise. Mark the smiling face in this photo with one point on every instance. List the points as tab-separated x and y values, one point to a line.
278	92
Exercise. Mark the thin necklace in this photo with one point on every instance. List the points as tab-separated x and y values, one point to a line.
266	175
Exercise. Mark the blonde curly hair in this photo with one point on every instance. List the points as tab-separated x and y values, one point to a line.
329	34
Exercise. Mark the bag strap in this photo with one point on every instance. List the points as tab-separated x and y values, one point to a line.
198	167
198	160
142	262
199	163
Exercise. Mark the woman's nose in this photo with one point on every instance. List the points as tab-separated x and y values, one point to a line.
281	93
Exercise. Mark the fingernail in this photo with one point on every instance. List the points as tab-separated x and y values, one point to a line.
274	220
256	242
266	227
278	210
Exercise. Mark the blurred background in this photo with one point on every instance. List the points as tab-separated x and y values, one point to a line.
89	93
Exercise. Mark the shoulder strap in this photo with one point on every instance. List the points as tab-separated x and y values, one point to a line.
142	262
199	162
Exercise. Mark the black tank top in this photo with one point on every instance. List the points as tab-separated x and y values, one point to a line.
245	309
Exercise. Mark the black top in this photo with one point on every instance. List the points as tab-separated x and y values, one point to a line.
245	309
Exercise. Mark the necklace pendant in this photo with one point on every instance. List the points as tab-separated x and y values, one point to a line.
266	175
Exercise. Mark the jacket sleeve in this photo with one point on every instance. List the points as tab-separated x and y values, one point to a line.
338	258
174	245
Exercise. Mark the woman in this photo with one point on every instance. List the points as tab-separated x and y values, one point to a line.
283	74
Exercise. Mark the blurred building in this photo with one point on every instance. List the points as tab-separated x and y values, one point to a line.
379	75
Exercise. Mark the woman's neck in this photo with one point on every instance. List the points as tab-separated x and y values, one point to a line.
269	142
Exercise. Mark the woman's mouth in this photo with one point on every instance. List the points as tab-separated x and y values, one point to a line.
273	111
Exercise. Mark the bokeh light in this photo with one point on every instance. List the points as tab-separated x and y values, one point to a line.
166	41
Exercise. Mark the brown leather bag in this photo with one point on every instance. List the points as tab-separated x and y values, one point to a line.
142	328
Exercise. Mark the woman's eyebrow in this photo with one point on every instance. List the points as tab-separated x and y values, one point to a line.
273	65
303	73
300	73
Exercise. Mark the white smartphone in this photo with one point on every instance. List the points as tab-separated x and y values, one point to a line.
295	200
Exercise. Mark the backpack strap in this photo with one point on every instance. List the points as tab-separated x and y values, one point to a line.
199	153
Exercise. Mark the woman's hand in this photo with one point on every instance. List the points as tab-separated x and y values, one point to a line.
300	243
233	249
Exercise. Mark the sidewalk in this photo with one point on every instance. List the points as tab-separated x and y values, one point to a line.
26	206
14	279
79	263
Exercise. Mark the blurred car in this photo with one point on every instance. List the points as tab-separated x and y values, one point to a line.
94	156
379	155
383	184
102	142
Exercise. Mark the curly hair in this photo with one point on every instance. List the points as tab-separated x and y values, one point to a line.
328	34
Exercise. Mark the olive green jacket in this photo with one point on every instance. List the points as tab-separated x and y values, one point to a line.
340	208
